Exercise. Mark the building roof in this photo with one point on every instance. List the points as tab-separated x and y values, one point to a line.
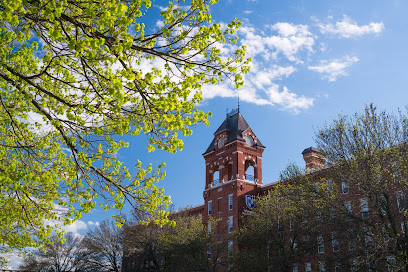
312	149
235	125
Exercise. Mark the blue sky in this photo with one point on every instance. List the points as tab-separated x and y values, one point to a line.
311	61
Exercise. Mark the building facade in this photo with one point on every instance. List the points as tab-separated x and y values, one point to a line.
233	178
233	166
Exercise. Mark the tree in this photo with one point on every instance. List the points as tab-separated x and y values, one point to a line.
368	153
104	246
57	257
191	246
187	245
140	252
73	75
284	227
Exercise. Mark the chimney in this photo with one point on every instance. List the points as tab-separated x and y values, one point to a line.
314	158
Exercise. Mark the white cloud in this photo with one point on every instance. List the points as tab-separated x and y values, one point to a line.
288	100
248	11
161	8
290	40
347	28
331	70
90	223
260	89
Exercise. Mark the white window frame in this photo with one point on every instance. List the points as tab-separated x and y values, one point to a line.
210	207
354	267
345	187
322	266
400	196
320	244
230	248
230	202
208	250
330	185
337	267
335	241
349	210
230	224
365	210
295	267
308	267
293	244
391	259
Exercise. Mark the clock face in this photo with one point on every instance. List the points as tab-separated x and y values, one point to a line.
249	140
221	142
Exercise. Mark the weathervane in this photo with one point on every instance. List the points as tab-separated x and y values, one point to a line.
238	101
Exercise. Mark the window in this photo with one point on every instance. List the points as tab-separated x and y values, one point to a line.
368	239
230	268
322	267
295	267
403	228
320	244
354	265
330	185
308	267
269	249
365	213
306	241
208	251
391	263
230	224
332	212
216	178
293	243
401	201
305	222
221	142
319	216
210	207
230	248
349	211
337	267
352	244
280	225
209	227
335	241
352	240
230	199
345	187
316	187
383	205
219	204
372	266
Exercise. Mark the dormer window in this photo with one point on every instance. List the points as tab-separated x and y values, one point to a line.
221	142
249	140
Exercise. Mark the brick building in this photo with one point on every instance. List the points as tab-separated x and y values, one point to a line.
233	165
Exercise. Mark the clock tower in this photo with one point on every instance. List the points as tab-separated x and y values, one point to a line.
233	172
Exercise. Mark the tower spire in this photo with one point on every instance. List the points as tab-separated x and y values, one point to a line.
238	101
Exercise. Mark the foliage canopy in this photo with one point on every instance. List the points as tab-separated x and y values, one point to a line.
73	74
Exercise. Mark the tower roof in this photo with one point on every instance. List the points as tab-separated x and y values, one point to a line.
236	125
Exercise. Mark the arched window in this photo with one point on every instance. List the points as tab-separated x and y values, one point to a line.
250	173
216	178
